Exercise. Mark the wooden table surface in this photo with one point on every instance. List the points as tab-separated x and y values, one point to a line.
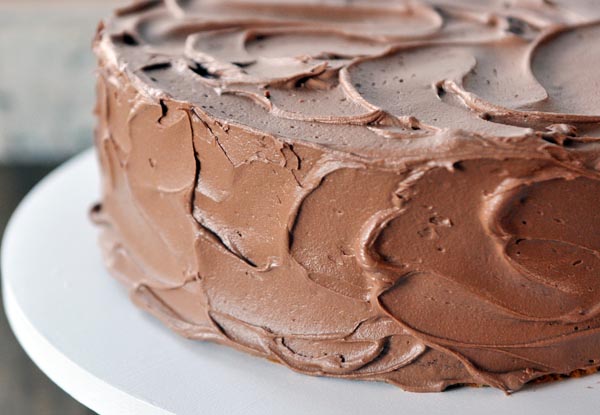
24	389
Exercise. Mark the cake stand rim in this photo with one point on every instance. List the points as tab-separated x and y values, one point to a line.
79	383
105	398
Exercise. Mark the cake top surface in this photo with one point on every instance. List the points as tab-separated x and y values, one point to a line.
368	77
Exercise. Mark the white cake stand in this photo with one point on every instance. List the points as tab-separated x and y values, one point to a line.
79	327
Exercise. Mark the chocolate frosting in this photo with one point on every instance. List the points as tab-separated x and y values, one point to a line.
387	190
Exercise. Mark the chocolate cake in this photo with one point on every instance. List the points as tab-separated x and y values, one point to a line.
379	190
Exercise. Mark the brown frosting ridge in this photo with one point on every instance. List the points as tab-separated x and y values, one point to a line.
394	191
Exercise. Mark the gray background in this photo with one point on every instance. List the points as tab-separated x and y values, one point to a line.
46	77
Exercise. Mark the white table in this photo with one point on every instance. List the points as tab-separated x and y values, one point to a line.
79	327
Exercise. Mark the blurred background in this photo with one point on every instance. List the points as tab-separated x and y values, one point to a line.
46	102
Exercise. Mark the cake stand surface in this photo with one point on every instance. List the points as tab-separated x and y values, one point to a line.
79	327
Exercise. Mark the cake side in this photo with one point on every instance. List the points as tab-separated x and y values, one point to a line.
462	259
320	298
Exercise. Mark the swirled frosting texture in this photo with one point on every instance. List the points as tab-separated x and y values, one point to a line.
395	191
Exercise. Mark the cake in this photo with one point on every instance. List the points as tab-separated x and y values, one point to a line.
392	191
